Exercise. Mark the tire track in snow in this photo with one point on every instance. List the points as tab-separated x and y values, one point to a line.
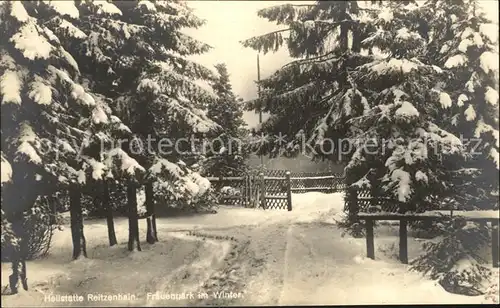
289	234
190	276
316	261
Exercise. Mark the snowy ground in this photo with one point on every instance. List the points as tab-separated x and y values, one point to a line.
262	257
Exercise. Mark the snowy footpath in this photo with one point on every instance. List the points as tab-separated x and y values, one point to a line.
235	257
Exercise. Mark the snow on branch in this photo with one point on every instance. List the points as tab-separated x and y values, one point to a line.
489	62
441	139
271	41
65	28
77	91
287	13
106	8
118	125
189	187
163	78
273	102
28	142
495	156
186	45
121	163
182	11
200	187
483	128
31	43
189	68
164	168
118	28
11	83
63	8
168	21
200	123
302	72
40	92
98	170
394	66
6	169
402	182
146	5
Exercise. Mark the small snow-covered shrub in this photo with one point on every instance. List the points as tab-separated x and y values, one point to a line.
38	231
189	192
454	259
9	239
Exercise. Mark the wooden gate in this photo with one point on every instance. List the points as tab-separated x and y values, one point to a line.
255	190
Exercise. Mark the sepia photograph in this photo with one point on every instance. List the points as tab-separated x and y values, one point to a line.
203	153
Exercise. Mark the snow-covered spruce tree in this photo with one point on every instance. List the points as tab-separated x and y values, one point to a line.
49	122
8	238
33	89
357	58
123	167
105	135
181	186
228	152
136	53
412	153
311	99
469	50
63	19
327	37
466	44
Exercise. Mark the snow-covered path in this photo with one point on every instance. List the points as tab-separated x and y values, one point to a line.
262	257
311	264
324	268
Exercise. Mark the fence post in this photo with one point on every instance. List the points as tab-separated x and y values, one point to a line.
262	191
289	190
370	243
403	241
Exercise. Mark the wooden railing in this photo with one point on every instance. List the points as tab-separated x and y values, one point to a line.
370	219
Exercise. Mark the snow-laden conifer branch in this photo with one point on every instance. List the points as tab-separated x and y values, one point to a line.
286	13
267	42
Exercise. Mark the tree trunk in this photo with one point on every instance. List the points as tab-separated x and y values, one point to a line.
75	210
108	210
16	199
96	203
53	209
352	205
151	235
19	255
344	28
133	222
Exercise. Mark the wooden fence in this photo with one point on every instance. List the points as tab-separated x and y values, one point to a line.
327	182
272	189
